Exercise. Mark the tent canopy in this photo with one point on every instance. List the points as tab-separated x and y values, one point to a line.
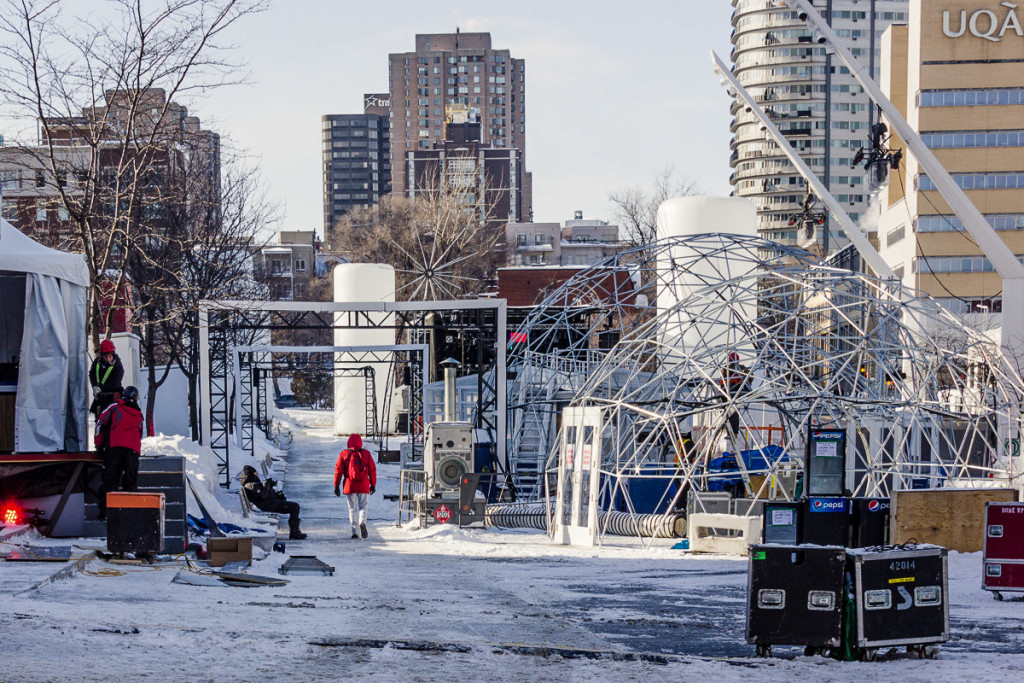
52	388
22	254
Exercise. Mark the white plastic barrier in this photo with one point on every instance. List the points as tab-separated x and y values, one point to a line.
705	533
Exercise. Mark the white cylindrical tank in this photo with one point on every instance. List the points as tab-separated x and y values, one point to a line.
361	283
710	334
686	216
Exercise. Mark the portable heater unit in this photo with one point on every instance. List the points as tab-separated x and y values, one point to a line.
447	456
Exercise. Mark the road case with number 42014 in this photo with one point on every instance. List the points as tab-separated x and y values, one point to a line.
901	596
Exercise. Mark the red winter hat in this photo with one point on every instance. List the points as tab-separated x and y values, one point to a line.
107	346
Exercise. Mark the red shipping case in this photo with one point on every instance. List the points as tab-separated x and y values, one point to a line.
1003	554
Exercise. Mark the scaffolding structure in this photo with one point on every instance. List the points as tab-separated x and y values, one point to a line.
711	356
227	324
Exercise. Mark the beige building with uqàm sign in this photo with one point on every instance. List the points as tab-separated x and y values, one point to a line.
956	71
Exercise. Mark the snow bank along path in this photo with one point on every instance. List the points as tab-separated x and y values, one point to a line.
463	600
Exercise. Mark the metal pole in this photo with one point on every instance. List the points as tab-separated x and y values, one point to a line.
204	375
500	383
856	235
995	249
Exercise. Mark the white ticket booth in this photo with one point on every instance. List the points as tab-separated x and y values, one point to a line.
579	477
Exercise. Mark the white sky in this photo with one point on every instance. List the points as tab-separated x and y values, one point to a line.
616	92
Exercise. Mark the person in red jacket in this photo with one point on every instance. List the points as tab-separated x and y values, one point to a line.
119	440
355	466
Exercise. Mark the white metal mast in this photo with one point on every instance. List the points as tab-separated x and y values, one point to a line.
856	235
1002	258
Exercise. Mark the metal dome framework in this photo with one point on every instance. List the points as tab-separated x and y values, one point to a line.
647	336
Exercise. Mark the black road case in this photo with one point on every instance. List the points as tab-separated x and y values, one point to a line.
901	596
794	596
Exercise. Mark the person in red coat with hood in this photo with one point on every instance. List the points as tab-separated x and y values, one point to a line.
356	468
119	440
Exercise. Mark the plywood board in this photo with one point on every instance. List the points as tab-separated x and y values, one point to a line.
951	518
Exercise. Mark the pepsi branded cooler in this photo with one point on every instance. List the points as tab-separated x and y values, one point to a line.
869	522
795	596
1003	548
826	521
901	596
781	523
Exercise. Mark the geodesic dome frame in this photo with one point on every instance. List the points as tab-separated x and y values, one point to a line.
920	396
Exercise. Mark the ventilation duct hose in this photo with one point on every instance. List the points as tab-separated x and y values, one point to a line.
647	526
615	523
516	517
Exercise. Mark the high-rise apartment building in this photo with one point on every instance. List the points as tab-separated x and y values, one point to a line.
815	102
357	158
485	180
449	69
955	73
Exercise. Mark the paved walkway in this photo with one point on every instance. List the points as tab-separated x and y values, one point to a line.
309	480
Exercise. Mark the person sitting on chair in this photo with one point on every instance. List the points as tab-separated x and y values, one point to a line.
264	497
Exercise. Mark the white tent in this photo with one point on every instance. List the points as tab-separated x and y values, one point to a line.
43	334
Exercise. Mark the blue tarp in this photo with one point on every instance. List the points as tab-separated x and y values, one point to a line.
201	528
757	461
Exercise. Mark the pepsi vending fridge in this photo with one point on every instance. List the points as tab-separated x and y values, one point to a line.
1003	549
825	521
781	522
869	522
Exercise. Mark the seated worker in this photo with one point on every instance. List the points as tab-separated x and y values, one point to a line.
264	497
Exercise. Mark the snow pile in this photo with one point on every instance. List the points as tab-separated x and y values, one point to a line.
201	467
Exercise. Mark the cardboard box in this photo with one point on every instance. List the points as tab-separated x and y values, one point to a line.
229	549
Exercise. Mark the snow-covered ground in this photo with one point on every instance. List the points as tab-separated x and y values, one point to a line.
438	604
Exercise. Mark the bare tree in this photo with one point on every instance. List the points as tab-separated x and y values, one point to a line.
439	249
637	207
102	87
208	253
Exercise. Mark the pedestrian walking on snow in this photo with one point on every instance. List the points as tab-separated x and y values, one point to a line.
355	467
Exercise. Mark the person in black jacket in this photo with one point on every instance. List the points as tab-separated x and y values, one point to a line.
105	376
264	497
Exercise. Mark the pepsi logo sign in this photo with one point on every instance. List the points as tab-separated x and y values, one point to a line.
873	506
828	505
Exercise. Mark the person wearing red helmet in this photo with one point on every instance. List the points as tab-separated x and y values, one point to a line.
355	465
105	376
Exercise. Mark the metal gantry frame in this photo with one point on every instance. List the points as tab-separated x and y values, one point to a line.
919	394
252	403
219	320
